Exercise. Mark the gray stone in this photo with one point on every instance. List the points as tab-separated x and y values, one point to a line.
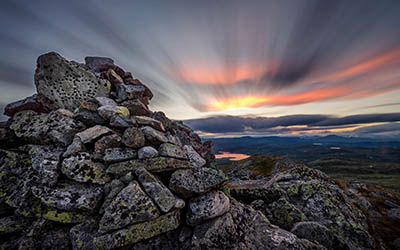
67	83
153	136
30	103
133	138
113	155
82	237
111	189
394	213
147	152
108	141
138	232
171	150
45	128
136	107
13	224
207	206
89	118
70	197
105	101
98	64
45	161
130	206
189	182
147	121
196	161
117	121
93	133
81	168
75	147
109	111
160	194
130	91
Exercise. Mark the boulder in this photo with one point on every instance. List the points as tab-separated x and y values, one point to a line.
70	197
190	182
154	136
118	122
113	155
67	83
196	161
133	138
34	103
130	91
147	152
109	111
171	150
93	133
109	141
130	206
207	206
160	194
87	113
81	168
136	107
75	147
45	160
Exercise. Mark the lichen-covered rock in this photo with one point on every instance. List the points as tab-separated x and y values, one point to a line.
130	206
82	236
109	141
81	168
108	111
111	190
45	160
133	138
207	206
154	136
12	224
93	133
147	121
171	150
87	113
190	182
113	155
64	217
160	194
138	232
70	197
196	161
45	128
75	147
147	152
67	83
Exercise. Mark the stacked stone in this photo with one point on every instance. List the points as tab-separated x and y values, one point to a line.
85	164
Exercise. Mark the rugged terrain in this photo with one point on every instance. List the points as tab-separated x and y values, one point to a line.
85	164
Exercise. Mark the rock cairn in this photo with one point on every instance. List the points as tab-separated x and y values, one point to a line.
86	165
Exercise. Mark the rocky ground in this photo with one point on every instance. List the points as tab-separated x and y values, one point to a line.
84	164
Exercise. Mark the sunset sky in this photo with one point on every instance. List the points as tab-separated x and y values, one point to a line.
230	68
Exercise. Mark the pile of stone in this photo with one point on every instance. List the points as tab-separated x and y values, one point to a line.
85	164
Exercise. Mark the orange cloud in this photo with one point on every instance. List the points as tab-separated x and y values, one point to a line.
207	74
257	101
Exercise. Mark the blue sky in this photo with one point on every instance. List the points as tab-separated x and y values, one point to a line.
265	60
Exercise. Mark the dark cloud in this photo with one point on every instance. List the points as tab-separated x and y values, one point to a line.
234	124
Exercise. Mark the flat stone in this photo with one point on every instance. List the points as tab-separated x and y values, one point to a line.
29	103
133	138
13	224
196	161
82	235
136	107
114	77
105	101
171	150
66	83
81	168
98	64
130	206
45	161
147	152
138	232
190	182
108	141
113	155
147	121
157	164
70	197
45	128
160	194
130	92
91	134
117	121
75	147
65	217
111	189
206	207
88	116
153	136
314	231
108	111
